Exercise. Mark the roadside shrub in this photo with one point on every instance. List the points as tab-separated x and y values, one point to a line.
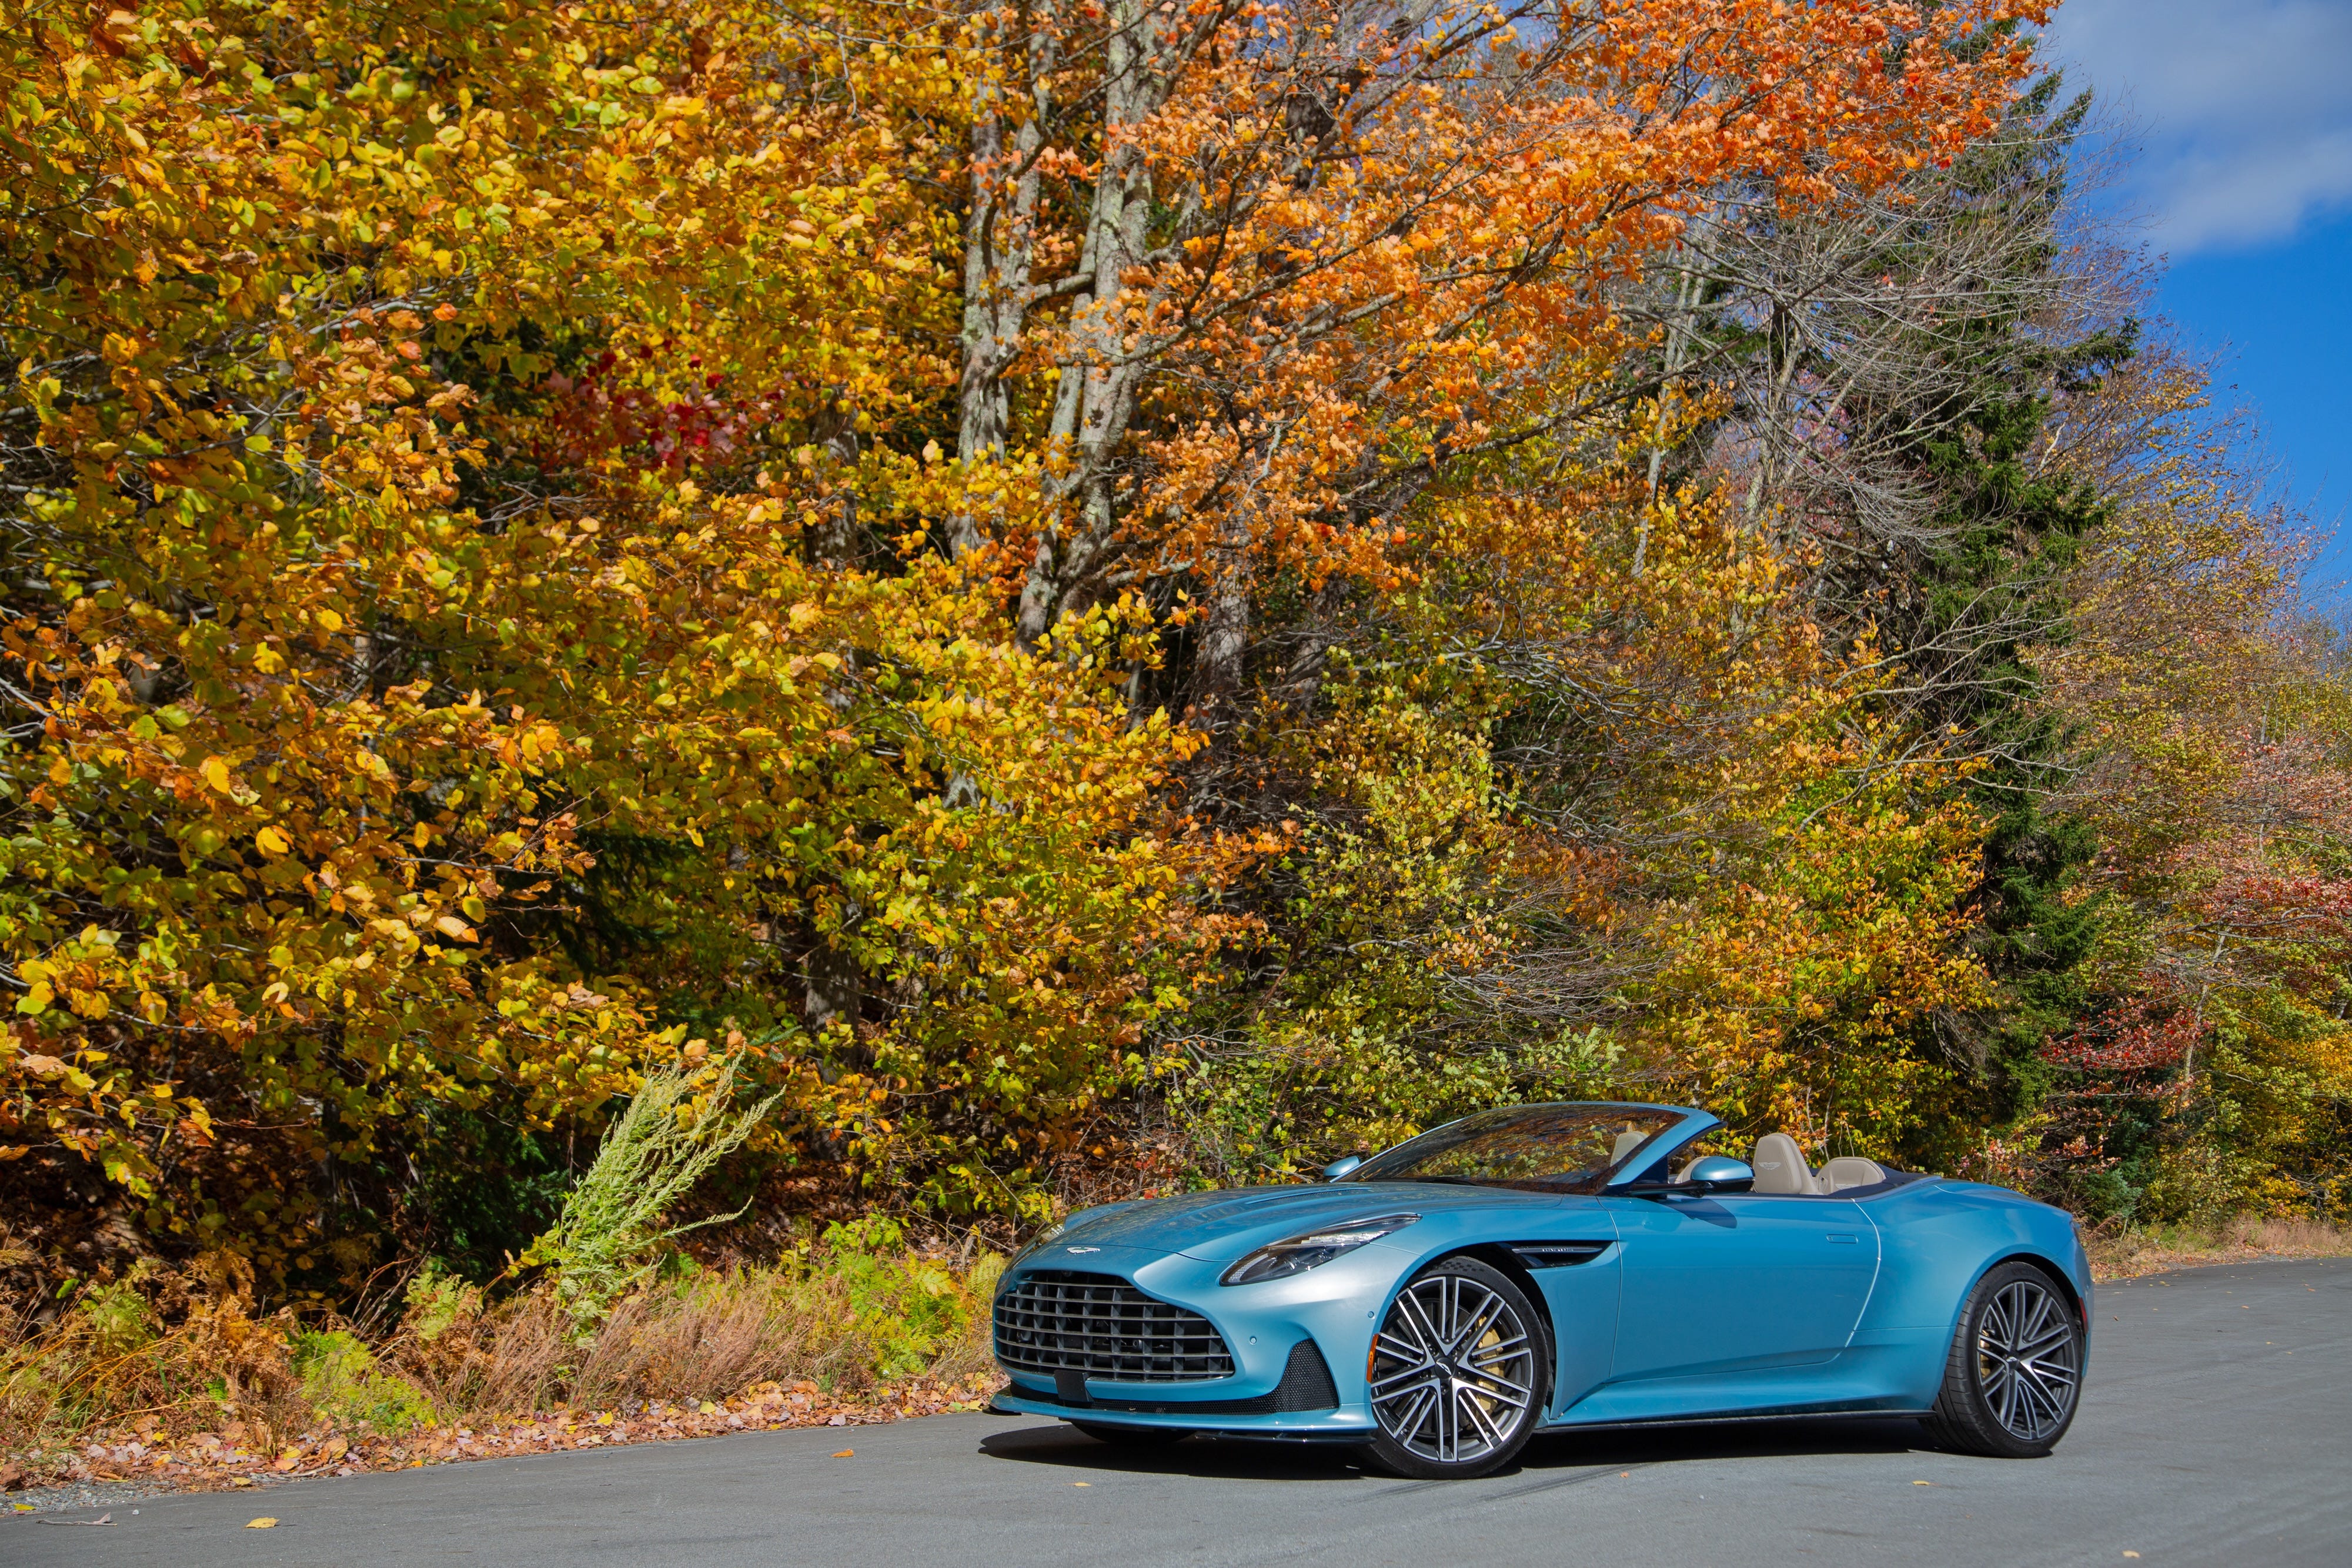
906	1310
436	1302
341	1379
117	1318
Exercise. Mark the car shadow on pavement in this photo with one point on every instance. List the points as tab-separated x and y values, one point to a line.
1242	1459
1233	1460
1791	1436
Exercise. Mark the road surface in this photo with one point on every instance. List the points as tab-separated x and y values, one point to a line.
2216	1429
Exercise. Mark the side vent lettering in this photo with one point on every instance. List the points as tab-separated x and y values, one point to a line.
1557	1254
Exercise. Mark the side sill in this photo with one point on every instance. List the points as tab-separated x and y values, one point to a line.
1825	1413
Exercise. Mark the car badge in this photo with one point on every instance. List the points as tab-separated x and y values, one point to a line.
1081	1249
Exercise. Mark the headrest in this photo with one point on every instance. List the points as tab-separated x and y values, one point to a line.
1850	1170
1780	1165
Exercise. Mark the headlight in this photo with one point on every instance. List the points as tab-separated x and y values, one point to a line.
1040	1240
1313	1249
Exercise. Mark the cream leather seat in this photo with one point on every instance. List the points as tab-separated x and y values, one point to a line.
1780	1166
1850	1170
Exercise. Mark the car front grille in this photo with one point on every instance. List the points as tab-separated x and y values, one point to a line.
1099	1326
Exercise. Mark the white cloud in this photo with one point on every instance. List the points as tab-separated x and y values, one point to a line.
2246	109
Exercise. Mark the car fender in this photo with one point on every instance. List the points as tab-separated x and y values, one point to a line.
1578	1303
1936	1241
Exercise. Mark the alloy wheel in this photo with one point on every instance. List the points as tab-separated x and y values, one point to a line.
2029	1360
1453	1370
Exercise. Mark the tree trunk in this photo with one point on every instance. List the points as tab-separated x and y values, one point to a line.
1094	404
1000	240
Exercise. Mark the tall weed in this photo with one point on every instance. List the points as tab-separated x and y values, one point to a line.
681	1123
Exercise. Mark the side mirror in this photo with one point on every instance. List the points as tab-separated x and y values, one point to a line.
1341	1166
1720	1172
1711	1173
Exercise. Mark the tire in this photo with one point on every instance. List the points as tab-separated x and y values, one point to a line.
1458	1373
1133	1436
2014	1377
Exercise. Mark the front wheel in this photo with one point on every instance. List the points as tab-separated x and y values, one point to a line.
1457	1373
2015	1372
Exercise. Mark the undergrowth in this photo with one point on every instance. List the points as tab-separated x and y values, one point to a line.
2118	1252
181	1356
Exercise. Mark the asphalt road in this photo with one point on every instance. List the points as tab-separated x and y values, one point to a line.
2216	1429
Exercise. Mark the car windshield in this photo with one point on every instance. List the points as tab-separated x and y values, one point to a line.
1537	1148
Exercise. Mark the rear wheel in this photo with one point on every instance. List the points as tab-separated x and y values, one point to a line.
2015	1372
1457	1373
1132	1436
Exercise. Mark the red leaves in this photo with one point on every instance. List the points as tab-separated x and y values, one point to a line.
598	417
2154	1031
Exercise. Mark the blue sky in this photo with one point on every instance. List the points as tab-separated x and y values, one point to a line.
2239	115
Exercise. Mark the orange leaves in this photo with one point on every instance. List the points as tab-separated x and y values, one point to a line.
1377	261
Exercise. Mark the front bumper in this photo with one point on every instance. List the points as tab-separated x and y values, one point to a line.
1335	1307
1295	1425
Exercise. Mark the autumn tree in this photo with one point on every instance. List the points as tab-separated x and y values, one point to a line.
1242	282
433	697
2211	1075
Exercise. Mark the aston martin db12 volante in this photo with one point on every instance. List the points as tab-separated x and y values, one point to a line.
1547	1267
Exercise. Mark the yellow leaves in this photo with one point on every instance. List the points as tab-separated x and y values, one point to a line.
864	753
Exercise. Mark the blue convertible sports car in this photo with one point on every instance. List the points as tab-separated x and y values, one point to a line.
1550	1267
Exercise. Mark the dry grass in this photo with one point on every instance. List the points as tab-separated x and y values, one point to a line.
172	1378
2122	1254
843	1328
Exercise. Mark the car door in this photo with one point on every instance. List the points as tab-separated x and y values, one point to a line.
1737	1282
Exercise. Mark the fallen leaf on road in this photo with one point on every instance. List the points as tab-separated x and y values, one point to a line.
1082	1483
264	1522
1923	1483
847	1454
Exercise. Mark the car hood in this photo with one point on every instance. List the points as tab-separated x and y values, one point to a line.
1218	1227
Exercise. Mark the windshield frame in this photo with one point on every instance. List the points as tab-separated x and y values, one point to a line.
1685	1125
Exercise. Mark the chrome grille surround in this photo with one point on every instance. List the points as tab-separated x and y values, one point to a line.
1099	1326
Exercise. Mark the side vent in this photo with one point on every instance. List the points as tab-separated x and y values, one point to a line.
1557	1254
